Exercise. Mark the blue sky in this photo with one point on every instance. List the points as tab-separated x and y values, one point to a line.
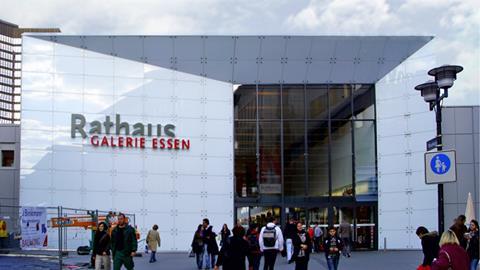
454	23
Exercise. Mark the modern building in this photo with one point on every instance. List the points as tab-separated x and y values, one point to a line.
10	67
234	128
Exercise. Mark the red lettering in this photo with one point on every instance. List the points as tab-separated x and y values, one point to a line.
112	142
129	141
104	141
154	143
162	143
186	144
169	144
142	142
176	143
94	140
120	141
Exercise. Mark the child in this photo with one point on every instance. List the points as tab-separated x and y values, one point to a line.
333	246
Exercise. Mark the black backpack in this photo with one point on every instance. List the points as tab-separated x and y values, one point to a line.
269	237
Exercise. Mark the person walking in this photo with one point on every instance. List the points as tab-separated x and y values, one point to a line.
271	242
254	255
317	237
460	230
234	251
345	233
333	245
124	244
198	246
101	247
290	229
430	246
451	255
224	234
302	246
153	241
473	245
210	249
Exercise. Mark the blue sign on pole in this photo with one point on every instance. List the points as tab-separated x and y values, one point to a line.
440	164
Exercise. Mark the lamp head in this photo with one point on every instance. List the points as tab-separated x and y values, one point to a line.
445	75
428	90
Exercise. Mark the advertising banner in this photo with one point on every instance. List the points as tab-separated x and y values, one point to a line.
34	227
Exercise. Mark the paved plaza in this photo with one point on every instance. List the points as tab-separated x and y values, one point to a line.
371	260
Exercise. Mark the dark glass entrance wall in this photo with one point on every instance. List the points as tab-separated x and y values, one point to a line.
307	152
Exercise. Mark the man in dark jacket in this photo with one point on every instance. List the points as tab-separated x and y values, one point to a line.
210	243
460	229
124	244
233	253
430	245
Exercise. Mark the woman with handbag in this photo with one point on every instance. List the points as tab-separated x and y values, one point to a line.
451	255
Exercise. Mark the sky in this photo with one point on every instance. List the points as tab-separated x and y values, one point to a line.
454	23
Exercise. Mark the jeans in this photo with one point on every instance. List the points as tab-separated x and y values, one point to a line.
254	261
102	260
332	262
289	249
206	257
473	264
152	256
270	257
346	246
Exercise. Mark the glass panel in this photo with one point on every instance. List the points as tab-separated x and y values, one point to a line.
317	158
341	214
363	101
269	102
317	102
365	232
293	102
339	98
7	158
242	216
259	215
365	167
294	158
270	158
298	214
341	158
245	159
245	103
319	215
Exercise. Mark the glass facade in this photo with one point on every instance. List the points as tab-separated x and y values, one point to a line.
307	152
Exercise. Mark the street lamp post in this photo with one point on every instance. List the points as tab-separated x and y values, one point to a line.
432	94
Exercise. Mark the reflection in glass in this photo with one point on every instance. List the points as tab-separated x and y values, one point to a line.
243	216
317	158
341	214
293	102
363	101
366	231
339	98
341	158
270	157
365	166
319	215
260	215
245	102
294	158
269	102
317	101
296	213
245	159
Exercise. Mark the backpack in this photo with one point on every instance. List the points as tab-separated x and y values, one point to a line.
269	237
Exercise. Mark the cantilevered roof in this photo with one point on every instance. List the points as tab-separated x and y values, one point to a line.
260	59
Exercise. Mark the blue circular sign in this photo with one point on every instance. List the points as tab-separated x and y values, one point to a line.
440	164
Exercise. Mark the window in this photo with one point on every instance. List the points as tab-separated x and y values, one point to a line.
7	158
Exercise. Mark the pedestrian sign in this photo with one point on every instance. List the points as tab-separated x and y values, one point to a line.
440	167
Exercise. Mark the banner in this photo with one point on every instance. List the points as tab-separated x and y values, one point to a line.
34	227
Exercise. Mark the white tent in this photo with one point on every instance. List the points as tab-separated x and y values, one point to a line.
470	209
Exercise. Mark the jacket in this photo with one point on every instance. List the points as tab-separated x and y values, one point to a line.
233	253
278	235
472	249
153	240
297	242
460	229
344	230
329	243
430	247
101	243
209	238
457	258
197	242
129	240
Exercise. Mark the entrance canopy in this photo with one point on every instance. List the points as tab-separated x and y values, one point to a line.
260	59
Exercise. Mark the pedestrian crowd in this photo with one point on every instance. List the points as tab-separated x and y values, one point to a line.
456	249
295	242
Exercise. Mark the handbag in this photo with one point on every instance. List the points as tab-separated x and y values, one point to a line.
191	254
449	260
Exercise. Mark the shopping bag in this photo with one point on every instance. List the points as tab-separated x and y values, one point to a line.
421	267
191	254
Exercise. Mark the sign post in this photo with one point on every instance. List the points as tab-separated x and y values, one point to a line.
440	167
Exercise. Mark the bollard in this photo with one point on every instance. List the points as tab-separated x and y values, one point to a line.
384	244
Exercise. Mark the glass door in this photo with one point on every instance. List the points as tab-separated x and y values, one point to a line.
365	228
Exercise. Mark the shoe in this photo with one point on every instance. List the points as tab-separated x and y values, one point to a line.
348	255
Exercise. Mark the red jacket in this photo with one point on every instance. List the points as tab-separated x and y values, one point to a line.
458	258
